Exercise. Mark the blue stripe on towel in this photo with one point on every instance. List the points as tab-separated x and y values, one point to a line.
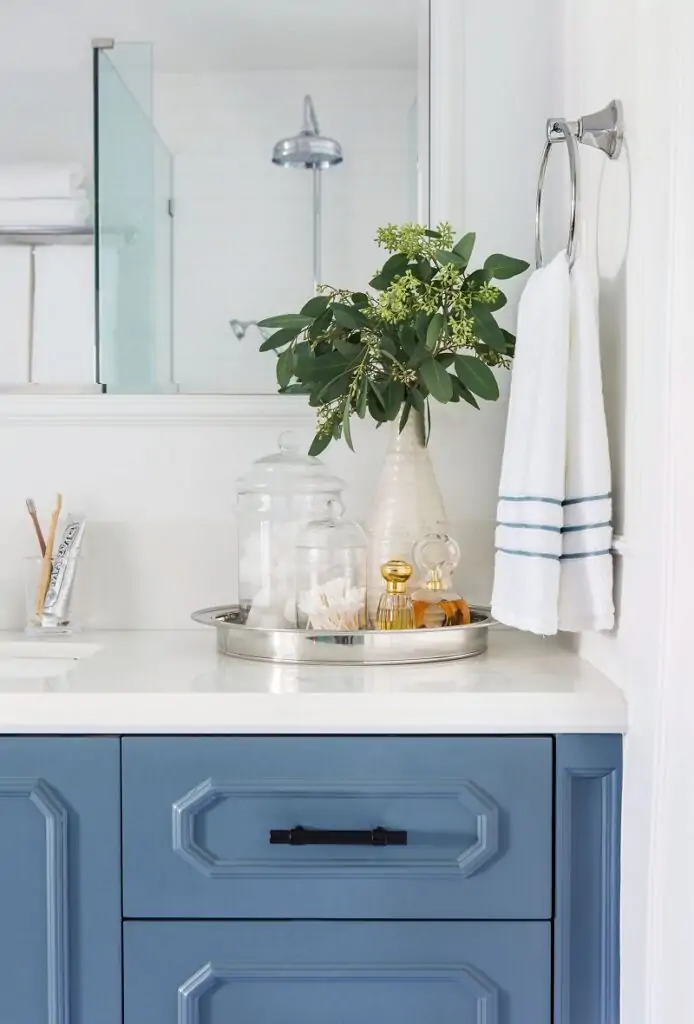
555	501
593	497
553	529
588	526
547	501
555	558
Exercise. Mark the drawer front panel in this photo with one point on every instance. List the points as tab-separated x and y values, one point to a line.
313	972
198	814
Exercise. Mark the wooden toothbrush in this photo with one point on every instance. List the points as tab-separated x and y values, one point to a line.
31	508
48	557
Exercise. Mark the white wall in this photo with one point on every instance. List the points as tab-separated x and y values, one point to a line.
46	115
243	235
638	52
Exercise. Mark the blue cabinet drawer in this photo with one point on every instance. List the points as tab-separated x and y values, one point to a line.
198	814
313	972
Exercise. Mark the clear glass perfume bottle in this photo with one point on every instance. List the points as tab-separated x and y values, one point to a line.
437	603
395	606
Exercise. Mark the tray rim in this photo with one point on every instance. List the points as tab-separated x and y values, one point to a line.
210	617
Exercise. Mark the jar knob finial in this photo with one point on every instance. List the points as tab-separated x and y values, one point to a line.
287	441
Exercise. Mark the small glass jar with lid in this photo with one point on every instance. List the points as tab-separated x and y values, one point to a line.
331	573
279	495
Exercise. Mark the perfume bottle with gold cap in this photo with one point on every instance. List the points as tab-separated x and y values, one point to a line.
437	604
395	606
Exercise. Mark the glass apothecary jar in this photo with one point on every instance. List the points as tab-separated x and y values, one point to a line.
279	495
331	573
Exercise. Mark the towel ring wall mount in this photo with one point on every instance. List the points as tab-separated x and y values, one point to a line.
603	130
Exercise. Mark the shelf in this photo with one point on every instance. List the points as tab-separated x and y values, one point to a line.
46	235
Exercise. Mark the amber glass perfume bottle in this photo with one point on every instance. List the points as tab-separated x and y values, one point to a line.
437	604
395	606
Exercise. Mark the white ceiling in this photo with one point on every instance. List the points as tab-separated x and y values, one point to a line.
213	35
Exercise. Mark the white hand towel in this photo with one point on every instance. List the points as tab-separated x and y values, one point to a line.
15	313
64	332
34	180
531	492
585	591
47	213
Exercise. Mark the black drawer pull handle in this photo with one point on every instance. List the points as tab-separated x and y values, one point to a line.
300	836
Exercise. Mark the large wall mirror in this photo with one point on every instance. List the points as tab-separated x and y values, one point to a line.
237	154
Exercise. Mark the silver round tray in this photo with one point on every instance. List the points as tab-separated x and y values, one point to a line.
362	647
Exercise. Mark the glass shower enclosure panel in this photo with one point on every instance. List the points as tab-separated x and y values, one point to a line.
133	177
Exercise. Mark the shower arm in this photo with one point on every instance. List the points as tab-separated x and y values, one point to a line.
311	125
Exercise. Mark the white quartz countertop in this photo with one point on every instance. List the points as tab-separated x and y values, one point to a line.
175	682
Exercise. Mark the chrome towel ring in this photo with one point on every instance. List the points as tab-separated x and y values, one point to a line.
602	130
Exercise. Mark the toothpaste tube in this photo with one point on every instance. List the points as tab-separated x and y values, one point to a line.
56	606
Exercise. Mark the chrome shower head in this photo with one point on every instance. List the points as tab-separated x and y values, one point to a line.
309	149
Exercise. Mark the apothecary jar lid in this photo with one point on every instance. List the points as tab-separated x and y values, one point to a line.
289	471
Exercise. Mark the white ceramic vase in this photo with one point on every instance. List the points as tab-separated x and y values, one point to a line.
407	504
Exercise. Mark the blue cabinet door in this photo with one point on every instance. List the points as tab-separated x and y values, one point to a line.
342	972
60	928
199	814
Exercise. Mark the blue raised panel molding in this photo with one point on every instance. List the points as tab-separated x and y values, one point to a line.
586	943
197	814
482	849
59	881
218	972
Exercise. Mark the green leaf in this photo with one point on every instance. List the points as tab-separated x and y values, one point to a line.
379	282
321	324
443	256
315	306
296	389
351	348
423	271
445	358
360	299
285	367
477	377
421	325
335	388
464	393
436	325
502	267
280	338
419	354
375	405
477	279
349	316
346	430
298	320
430	233
319	444
434	377
416	399
464	247
510	342
404	416
488	331
393	395
407	339
427	424
395	265
362	398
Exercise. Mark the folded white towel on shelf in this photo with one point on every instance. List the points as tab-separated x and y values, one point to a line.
585	589
531	491
36	180
554	534
15	314
46	213
64	344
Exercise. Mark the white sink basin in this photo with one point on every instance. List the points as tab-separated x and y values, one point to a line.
41	659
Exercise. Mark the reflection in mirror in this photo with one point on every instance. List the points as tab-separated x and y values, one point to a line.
239	153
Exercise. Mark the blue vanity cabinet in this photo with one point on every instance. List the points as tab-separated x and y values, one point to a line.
60	907
313	972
